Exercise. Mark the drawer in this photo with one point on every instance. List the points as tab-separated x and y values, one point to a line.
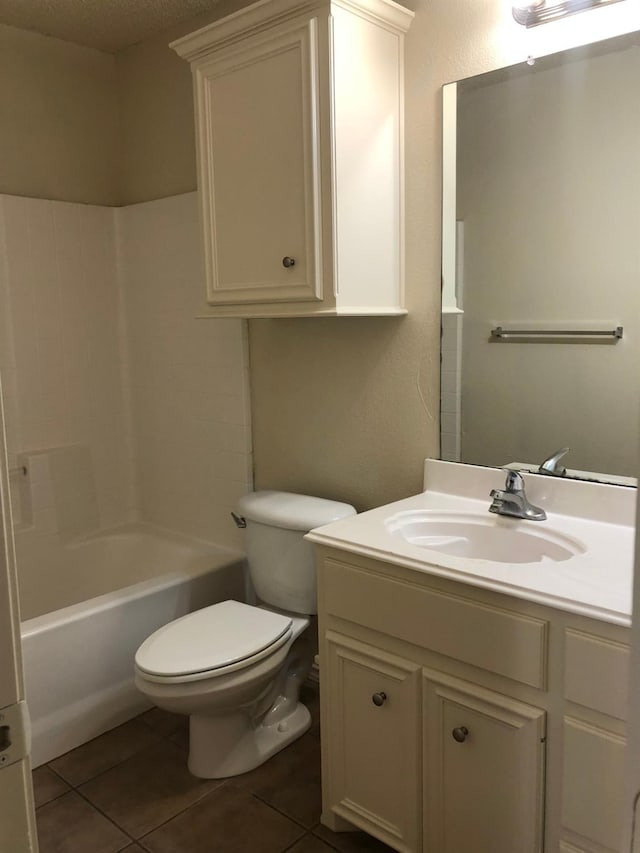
596	673
492	638
593	789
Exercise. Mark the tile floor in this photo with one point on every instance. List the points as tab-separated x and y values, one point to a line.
129	790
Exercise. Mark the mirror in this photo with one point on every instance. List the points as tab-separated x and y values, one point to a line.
541	239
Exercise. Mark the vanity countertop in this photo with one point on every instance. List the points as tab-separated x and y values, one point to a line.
596	581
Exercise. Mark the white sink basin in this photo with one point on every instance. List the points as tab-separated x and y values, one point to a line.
480	537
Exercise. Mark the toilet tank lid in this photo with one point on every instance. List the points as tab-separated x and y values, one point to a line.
292	511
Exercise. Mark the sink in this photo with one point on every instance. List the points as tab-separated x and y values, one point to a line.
474	536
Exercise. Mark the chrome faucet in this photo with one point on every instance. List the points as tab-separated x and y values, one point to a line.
552	464
513	501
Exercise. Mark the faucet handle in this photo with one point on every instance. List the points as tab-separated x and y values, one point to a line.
514	481
552	466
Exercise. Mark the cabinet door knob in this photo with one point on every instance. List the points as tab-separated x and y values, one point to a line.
379	698
460	733
288	262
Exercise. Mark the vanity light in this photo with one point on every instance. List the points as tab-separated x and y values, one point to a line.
535	12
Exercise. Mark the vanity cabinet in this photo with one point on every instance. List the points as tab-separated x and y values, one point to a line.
299	125
459	720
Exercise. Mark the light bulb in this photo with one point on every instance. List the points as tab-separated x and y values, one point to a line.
527	5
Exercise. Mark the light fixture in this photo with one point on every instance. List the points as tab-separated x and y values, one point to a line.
535	12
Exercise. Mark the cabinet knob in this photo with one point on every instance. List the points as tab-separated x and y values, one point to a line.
288	262
460	733
379	698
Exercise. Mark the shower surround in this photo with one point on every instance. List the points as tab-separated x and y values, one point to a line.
121	407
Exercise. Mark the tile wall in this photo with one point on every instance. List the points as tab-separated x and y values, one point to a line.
122	406
61	355
188	377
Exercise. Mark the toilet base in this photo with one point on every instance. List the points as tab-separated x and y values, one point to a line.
231	744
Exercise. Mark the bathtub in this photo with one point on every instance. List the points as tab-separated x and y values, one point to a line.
111	591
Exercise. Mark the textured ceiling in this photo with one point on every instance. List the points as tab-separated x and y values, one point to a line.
108	25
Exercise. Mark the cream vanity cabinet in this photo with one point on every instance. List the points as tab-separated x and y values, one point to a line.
457	720
299	122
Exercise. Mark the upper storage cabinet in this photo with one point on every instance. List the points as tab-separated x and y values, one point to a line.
299	124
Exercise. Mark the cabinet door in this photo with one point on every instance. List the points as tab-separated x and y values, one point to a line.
484	770
593	787
257	125
373	775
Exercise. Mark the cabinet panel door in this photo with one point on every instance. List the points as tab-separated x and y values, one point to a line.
593	788
373	780
258	158
484	770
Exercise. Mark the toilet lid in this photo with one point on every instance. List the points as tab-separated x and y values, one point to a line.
214	637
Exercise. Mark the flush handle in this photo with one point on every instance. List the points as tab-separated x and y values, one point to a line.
239	520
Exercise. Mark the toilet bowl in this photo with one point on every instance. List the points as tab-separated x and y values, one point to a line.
236	669
239	689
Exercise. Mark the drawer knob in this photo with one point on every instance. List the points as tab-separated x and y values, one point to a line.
460	733
288	262
379	698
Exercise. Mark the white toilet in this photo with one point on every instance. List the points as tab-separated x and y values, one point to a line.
234	668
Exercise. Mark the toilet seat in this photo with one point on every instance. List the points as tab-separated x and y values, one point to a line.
211	642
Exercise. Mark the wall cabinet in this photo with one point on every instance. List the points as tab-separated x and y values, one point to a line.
299	125
455	719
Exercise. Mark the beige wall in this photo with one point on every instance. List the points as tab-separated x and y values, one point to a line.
341	407
59	120
156	113
349	407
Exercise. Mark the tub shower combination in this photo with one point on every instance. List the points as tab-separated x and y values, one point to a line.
115	589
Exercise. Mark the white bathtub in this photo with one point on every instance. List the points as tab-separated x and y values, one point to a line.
113	591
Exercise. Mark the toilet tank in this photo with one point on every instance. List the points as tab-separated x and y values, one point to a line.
281	562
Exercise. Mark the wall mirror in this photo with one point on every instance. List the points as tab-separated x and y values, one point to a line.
541	263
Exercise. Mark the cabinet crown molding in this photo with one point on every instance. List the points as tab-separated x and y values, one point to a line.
267	13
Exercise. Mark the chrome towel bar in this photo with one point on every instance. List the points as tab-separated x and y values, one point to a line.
502	335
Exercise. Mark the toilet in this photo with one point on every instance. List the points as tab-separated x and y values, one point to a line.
236	669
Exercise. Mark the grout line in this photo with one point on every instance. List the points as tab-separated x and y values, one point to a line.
208	793
323	840
76	789
297	841
106	816
264	802
228	782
